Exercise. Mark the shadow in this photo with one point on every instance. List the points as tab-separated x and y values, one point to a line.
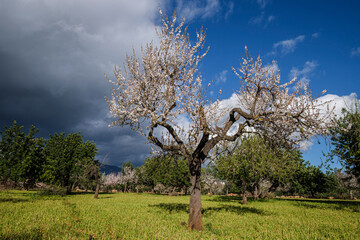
172	207
346	205
35	235
181	207
14	200
225	199
90	193
239	210
236	199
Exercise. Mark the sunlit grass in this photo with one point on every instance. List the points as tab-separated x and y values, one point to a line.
25	215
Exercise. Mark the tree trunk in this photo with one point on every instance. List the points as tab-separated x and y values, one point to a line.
195	195
256	197
351	194
97	186
244	185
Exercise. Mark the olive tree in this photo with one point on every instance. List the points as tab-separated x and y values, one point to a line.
152	92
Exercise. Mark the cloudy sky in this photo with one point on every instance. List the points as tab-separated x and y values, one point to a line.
54	54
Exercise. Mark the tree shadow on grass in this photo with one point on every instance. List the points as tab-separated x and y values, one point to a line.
181	207
225	199
35	235
13	200
342	205
236	199
89	193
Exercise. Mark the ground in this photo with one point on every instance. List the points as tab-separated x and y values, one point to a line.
26	215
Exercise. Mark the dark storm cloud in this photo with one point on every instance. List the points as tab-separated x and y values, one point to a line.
53	56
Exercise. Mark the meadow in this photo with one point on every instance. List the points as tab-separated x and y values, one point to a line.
28	215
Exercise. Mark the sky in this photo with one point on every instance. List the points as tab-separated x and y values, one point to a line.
54	55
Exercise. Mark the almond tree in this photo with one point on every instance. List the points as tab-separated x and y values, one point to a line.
151	93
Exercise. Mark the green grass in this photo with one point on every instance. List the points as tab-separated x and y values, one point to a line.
26	215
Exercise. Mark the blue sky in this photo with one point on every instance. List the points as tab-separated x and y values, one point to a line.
53	56
309	39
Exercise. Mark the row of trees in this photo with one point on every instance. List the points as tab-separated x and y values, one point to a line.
160	173
62	160
254	168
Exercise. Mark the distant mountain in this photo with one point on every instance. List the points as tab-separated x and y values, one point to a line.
107	169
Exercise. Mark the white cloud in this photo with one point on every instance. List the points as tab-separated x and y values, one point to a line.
315	35
262	19
198	9
306	145
262	3
289	45
304	74
340	102
355	52
221	77
271	18
335	101
230	9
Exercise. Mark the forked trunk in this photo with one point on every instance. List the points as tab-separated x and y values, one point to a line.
195	196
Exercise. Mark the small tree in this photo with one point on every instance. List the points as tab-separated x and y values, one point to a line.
253	162
128	174
348	182
66	157
152	92
21	155
170	170
311	181
346	140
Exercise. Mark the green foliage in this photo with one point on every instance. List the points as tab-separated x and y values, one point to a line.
68	158
25	215
346	140
311	181
171	171
255	161
127	165
21	156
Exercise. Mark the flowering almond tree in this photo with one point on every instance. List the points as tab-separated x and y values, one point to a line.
152	92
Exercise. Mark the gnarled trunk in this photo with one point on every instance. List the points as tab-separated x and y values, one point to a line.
195	195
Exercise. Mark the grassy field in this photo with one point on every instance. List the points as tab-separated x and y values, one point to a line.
26	215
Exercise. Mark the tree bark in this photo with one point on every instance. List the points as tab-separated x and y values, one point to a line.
97	186
244	185
256	197
195	195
